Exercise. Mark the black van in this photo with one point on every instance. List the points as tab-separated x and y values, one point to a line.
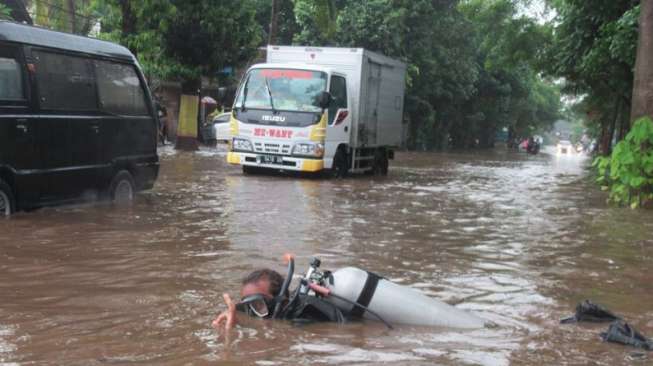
76	120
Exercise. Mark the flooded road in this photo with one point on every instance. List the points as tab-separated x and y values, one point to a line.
517	240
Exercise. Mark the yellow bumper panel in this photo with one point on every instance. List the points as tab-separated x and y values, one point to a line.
312	165
233	158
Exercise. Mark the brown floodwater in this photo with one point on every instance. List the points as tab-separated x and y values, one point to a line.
518	240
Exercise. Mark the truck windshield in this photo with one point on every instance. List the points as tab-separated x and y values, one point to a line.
282	90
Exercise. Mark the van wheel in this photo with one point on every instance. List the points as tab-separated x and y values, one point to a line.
121	189
7	202
340	166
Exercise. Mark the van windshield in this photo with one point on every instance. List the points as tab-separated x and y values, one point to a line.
282	90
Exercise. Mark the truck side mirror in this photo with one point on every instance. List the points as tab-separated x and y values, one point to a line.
222	92
324	99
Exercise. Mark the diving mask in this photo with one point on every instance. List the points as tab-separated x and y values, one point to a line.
258	304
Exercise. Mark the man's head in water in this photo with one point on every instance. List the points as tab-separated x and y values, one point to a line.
263	281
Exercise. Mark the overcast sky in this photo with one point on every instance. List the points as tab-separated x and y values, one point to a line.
537	9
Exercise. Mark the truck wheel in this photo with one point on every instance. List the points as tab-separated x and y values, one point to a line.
121	189
381	163
7	202
340	166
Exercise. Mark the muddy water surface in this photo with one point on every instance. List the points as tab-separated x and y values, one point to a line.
518	240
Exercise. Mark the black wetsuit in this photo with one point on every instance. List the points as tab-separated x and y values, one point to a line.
309	309
306	309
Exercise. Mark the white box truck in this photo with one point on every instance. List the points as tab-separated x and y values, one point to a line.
312	109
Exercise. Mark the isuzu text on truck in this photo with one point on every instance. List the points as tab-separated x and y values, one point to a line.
313	109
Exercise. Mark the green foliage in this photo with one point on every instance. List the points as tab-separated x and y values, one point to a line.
5	12
182	40
316	20
628	172
66	16
593	49
435	40
286	22
202	37
472	64
511	93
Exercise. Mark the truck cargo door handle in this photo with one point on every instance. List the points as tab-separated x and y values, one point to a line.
95	128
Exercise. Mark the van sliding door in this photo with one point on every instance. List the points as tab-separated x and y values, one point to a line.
70	123
129	130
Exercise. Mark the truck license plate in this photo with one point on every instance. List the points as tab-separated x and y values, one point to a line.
270	159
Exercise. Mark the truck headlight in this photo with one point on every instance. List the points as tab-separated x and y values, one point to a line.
308	149
241	145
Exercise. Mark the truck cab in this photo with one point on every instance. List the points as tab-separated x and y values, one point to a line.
289	117
317	109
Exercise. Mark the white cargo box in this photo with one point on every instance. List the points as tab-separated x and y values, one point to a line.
375	85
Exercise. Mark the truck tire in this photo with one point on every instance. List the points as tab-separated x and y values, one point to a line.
121	189
340	167
381	162
7	201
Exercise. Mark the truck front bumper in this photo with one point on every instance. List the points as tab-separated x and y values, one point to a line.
289	163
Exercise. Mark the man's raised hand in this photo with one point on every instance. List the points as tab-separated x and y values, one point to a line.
228	317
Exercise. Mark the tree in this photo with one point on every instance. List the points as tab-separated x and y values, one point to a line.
643	85
183	41
286	25
594	51
510	92
274	22
200	40
5	12
72	16
15	10
317	21
433	37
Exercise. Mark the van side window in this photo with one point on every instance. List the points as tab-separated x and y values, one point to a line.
11	80
65	83
338	91
120	89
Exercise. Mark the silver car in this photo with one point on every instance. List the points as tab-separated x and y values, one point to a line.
221	127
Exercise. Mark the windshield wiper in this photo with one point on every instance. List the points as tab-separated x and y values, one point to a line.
267	86
245	88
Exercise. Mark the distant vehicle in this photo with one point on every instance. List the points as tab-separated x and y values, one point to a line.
222	128
76	120
564	147
533	146
580	148
315	109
